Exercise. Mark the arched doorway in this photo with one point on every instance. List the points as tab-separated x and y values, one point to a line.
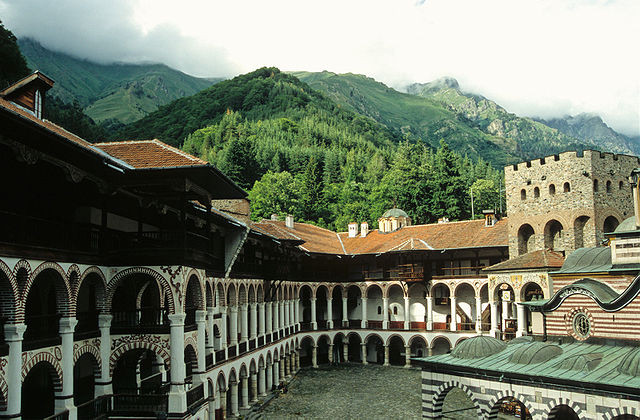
581	226
465	307
306	352
396	351
305	302
38	391
507	313
190	363
355	348
457	405
526	236
441	307
553	236
90	295
323	350
46	302
563	412
354	306
336	306
139	371
417	309
418	347
530	291
375	350
84	376
338	348
374	307
193	302
610	224
322	294
136	304
511	407
440	345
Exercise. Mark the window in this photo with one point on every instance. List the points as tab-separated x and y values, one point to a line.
38	105
536	192
395	310
608	186
581	325
552	189
595	185
523	194
621	185
379	310
567	187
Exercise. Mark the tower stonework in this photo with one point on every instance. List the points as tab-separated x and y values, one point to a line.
567	201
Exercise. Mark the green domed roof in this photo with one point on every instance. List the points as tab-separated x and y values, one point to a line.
630	363
582	362
394	212
477	347
535	353
628	225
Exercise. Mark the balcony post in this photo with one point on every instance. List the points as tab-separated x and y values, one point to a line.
386	355
314	323
345	316
407	357
281	314
223	403
276	373
407	313
276	317
429	313
285	313
223	329
363	323
244	390
298	315
297	359
521	320
292	316
345	351
177	394
201	323
329	312
331	353
385	313
314	357
281	364
261	382
13	334
234	398
453	310
244	328
363	348
210	346
254	387
65	400
253	322
478	314
103	385
268	377
261	320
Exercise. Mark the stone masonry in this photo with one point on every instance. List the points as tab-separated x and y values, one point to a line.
588	193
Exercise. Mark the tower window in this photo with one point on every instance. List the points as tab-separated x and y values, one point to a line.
595	185
379	310
523	194
567	187
621	185
552	189
608	186
536	192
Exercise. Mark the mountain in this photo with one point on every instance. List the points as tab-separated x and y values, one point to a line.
591	129
124	92
411	116
534	137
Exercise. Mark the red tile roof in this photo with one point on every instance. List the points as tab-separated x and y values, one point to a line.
544	258
465	234
149	154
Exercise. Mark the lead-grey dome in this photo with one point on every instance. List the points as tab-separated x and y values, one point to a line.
630	363
477	347
394	212
627	225
535	353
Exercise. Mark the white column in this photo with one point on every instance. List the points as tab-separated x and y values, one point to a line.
407	357
331	353
261	382
13	334
244	316
254	387
407	313
386	356
253	324
276	317
276	373
292	318
363	323
363	347
244	389
223	403
177	394
223	329
210	346
281	364
285	307
505	315
233	325
269	377
478	314
329	312
201	323
521	320
454	323
314	357
281	313
345	315
269	317
261	320
314	323
298	314
103	385
385	313
65	400
429	313
494	318
234	398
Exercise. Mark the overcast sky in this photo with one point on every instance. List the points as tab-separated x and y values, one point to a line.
537	58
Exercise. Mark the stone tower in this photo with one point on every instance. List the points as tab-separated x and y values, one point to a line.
567	201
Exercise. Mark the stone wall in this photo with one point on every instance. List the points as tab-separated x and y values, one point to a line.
564	188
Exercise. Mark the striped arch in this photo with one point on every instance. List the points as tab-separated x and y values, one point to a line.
11	306
73	270
395	335
200	296
443	390
4	392
220	298
612	413
389	285
190	341
561	401
66	307
366	339
138	345
493	403
100	303
22	264
94	352
163	285
141	293
54	367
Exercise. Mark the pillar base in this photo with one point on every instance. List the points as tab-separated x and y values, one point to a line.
177	399
104	389
407	366
66	404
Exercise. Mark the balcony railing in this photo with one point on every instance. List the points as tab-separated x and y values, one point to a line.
60	416
396	325
140	321
220	356
96	409
195	396
374	325
355	323
322	325
129	405
42	331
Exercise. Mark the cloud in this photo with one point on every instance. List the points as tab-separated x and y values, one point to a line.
536	58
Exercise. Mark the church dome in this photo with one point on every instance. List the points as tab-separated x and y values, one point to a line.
627	225
630	363
394	212
535	353
477	347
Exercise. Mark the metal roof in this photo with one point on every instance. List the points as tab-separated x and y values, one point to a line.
587	260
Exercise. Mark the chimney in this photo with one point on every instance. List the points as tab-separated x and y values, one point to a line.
443	220
274	217
353	229
288	221
489	217
364	229
634	179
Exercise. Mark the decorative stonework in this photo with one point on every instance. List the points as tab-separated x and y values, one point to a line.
156	343
91	346
163	285
50	355
583	317
175	280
